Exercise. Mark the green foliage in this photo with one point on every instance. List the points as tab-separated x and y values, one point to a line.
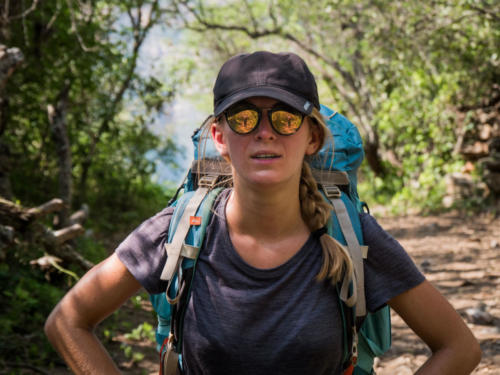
141	332
26	300
94	62
130	354
91	249
144	331
137	301
399	70
83	61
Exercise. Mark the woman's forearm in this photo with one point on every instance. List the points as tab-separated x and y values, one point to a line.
451	361
454	347
79	347
70	327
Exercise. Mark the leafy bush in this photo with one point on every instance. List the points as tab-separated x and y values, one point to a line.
26	299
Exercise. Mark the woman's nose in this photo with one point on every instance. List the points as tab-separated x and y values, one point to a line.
264	129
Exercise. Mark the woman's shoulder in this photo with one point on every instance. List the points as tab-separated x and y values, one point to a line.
389	270
369	224
143	251
378	239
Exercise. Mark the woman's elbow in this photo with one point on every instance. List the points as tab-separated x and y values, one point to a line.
62	322
475	353
50	327
469	350
465	355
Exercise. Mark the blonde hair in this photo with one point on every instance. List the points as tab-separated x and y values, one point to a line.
315	210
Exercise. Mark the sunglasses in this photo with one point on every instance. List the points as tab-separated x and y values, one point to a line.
244	117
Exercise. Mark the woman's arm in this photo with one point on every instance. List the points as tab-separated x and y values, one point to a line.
454	349
70	325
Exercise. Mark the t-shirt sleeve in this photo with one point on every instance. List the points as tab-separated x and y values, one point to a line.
143	251
389	270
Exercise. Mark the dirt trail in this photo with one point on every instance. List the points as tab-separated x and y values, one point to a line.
459	256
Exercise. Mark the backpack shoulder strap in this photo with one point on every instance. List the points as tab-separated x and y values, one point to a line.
346	228
193	212
355	250
182	226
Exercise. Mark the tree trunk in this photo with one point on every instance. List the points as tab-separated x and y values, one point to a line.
57	119
373	157
10	59
5	166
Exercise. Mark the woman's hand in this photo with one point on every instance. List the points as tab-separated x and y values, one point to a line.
70	325
454	348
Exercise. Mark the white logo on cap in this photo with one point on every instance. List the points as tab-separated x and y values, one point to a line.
306	106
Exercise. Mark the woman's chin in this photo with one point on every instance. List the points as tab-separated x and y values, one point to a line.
267	179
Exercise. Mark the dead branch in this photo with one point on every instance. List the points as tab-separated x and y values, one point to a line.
63	253
46	261
70	255
12	214
68	233
19	223
49	207
80	216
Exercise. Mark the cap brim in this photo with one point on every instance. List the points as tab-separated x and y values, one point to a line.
295	101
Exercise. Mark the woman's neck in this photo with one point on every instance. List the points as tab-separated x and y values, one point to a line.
270	212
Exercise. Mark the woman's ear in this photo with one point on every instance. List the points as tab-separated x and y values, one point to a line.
219	138
316	137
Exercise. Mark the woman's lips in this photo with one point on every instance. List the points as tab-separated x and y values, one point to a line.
265	155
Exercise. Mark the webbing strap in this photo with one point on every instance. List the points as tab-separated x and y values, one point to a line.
174	249
356	256
187	251
364	250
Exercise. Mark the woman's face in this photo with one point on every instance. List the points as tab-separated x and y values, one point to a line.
264	157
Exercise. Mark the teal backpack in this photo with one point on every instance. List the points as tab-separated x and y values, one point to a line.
366	335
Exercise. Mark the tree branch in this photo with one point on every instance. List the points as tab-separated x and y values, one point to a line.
68	233
49	207
486	12
17	219
278	31
74	28
32	8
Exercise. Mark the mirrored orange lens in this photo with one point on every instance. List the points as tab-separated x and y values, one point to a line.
285	122
243	121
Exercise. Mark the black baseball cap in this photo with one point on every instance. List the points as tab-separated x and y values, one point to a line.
281	76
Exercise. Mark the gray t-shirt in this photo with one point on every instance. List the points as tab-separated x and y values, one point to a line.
245	320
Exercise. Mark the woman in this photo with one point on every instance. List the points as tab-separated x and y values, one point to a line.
263	300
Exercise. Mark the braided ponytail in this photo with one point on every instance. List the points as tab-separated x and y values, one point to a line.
316	213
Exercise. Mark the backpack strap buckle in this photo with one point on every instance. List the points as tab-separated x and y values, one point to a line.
331	191
207	181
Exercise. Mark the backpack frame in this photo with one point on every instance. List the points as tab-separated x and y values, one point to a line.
366	335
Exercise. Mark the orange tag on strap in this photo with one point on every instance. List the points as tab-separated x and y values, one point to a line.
194	220
349	370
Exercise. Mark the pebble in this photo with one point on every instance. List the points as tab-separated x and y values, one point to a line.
479	315
425	265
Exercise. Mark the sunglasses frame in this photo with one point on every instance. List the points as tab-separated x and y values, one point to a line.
244	105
